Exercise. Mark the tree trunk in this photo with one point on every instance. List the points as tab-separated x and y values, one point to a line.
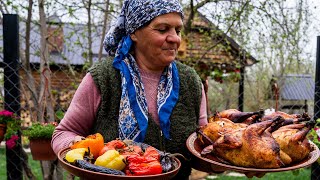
88	8
105	20
45	98
26	167
30	83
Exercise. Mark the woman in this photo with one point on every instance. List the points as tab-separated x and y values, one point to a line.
142	93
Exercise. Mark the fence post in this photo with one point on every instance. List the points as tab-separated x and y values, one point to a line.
12	88
241	82
315	168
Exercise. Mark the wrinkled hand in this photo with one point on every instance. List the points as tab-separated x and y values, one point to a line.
257	174
76	139
218	169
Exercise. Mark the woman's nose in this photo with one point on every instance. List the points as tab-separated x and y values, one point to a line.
173	37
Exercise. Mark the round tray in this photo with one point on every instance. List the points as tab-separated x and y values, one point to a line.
86	174
212	163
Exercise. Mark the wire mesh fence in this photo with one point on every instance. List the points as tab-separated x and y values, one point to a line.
21	93
21	159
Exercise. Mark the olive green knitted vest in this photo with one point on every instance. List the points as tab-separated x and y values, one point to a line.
183	120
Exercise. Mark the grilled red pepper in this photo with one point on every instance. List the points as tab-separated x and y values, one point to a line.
152	152
147	164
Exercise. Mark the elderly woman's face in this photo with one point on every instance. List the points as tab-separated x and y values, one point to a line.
156	45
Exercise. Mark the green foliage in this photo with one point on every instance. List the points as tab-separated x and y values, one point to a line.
34	164
299	174
59	114
11	121
313	134
40	131
86	65
12	128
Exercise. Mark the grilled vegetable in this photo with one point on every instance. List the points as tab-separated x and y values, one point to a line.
91	167
141	165
94	141
77	154
114	144
111	159
147	164
166	162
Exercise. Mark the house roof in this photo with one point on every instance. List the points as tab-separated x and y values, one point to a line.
74	43
297	87
249	59
227	60
54	19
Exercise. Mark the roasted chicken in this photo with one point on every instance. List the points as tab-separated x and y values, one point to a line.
242	145
252	139
239	117
292	140
217	128
290	118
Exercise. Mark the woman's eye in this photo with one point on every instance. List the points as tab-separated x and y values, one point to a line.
162	30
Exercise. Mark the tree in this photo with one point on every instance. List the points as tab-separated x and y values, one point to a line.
273	31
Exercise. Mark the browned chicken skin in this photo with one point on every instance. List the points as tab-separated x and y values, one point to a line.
282	114
247	146
290	118
292	140
260	141
213	130
239	117
217	128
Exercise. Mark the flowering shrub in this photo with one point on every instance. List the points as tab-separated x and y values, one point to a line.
13	126
6	116
11	143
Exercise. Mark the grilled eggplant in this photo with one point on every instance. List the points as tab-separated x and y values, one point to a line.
91	167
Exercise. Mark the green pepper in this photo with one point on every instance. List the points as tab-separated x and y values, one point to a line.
111	159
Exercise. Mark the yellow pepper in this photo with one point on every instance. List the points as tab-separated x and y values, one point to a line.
76	154
111	159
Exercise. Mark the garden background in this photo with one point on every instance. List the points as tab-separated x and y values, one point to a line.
241	49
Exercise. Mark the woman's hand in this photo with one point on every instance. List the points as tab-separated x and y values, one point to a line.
76	139
257	174
218	169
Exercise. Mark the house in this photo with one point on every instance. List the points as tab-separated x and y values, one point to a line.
209	47
292	92
68	60
214	54
67	48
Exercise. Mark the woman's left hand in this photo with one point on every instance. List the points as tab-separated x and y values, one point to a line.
76	139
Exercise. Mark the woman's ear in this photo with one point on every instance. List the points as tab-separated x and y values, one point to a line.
133	37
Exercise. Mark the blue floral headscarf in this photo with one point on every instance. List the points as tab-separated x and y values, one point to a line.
133	112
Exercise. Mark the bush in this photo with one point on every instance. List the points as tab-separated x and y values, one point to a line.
40	131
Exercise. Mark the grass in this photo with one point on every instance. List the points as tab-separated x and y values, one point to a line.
301	174
35	165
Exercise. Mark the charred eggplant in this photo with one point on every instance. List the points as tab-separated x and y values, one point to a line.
91	167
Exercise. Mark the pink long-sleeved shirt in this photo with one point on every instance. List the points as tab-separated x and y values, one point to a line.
81	113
